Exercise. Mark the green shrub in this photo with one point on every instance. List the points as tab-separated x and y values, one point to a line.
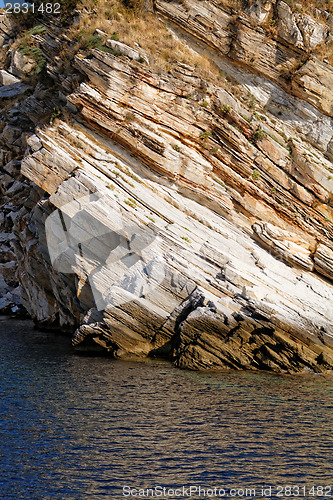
39	29
131	202
257	135
247	118
206	135
225	109
94	42
219	182
251	101
56	113
34	53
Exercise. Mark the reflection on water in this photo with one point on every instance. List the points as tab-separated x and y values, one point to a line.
77	427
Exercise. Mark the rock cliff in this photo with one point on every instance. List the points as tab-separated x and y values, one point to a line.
154	205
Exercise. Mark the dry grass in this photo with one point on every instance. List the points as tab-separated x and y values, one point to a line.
127	21
135	26
315	9
324	52
307	7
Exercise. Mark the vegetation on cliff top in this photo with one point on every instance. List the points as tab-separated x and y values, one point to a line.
134	23
127	21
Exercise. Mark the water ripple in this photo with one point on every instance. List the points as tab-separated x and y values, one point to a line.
76	427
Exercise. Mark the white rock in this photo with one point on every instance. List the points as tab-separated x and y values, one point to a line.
7	78
125	50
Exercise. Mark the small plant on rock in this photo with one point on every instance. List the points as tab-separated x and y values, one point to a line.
251	101
56	113
39	29
205	135
36	54
257	135
225	109
131	202
93	42
255	175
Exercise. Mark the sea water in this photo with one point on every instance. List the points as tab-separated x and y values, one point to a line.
80	427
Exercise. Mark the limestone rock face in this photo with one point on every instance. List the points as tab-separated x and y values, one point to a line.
299	29
167	213
17	196
205	279
125	50
13	90
7	26
312	82
285	244
323	260
205	20
312	31
287	26
259	11
11	193
246	41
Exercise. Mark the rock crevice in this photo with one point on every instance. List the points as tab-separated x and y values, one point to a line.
164	212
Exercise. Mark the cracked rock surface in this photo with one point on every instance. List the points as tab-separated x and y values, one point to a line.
168	215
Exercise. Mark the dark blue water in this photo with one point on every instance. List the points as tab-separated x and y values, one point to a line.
76	427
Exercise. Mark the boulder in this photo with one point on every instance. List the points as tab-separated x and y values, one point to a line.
312	31
287	26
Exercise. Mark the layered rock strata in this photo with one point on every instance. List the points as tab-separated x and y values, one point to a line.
177	217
